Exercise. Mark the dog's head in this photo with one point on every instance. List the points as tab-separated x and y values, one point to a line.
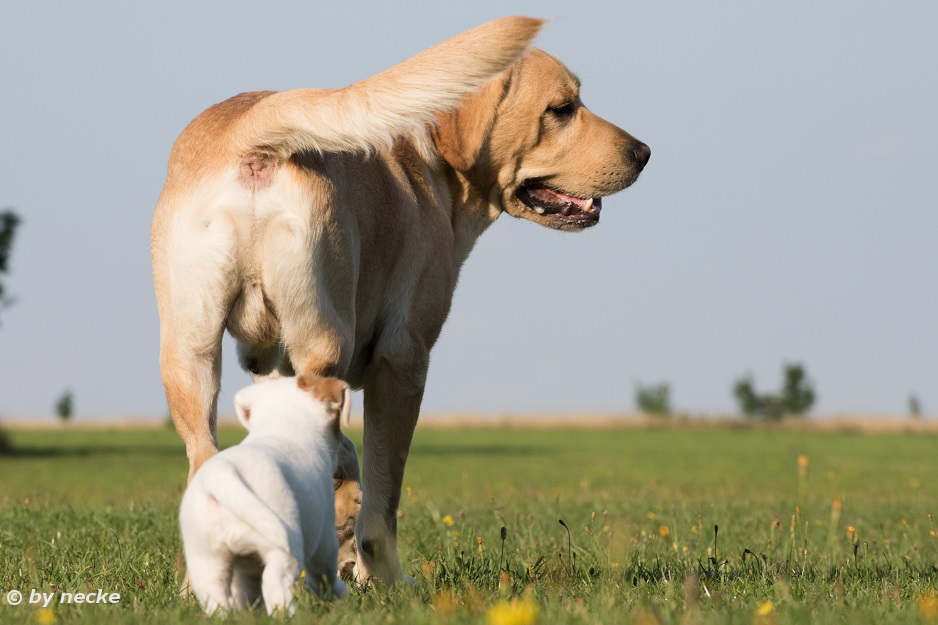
527	142
286	403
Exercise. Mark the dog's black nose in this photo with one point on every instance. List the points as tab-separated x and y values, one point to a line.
641	152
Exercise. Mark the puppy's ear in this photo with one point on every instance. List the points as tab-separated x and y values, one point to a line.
333	392
243	400
460	134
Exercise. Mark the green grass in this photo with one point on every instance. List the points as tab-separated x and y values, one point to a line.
82	510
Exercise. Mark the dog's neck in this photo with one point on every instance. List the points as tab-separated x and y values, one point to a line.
472	211
298	436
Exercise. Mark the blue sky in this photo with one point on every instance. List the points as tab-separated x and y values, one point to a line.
788	212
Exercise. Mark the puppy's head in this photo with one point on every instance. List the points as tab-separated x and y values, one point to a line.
284	403
333	394
529	142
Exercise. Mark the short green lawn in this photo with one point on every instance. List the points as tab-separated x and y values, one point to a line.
845	539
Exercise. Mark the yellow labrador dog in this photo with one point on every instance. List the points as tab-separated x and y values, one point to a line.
326	229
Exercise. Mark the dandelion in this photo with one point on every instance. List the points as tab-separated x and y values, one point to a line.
447	520
765	608
663	531
928	605
684	548
45	616
516	612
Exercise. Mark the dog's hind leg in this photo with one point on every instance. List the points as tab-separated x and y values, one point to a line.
280	571
210	580
195	272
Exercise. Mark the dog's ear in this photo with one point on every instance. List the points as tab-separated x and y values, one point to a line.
460	134
333	392
243	400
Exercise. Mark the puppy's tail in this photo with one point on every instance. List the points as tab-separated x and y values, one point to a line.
400	101
232	494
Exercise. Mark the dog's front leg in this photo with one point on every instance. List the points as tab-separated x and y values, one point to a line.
392	402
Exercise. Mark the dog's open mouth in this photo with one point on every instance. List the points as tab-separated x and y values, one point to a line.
557	205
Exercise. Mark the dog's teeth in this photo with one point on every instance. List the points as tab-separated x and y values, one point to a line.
540	211
588	205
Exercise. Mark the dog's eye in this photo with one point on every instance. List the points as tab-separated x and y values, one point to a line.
562	110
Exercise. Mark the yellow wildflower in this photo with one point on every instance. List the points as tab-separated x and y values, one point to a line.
45	616
448	520
663	530
765	608
516	612
928	605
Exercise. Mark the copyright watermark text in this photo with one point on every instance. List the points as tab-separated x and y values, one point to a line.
44	599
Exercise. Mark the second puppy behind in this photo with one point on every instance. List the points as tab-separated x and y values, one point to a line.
257	514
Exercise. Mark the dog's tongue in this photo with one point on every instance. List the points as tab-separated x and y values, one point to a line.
547	194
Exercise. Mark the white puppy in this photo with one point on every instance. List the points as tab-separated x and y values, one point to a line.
257	514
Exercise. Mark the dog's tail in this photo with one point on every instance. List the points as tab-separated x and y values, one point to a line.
400	101
232	494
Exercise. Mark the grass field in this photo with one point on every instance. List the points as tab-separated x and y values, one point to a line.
845	539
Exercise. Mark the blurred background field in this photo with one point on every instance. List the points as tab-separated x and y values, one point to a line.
836	524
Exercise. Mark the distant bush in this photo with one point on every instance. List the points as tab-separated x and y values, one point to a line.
654	400
796	397
63	407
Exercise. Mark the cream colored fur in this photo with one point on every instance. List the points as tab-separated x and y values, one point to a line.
259	513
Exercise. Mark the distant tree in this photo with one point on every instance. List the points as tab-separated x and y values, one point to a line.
8	223
915	408
796	397
654	400
63	407
797	392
